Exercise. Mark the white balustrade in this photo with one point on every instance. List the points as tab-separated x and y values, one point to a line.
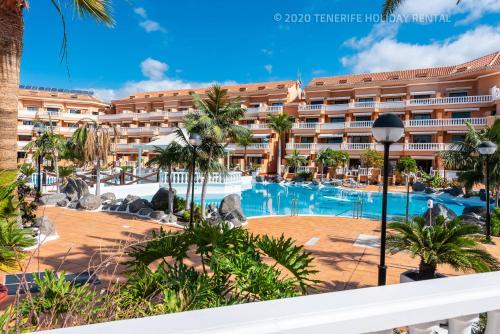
253	146
451	100
336	107
274	109
306	125
424	146
367	104
324	146
339	125
260	126
391	104
478	121
311	107
358	146
421	306
182	178
359	124
21	144
300	146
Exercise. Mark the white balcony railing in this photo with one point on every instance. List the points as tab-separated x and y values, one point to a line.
264	109
180	178
368	104
22	144
358	146
425	146
391	104
451	100
328	126
324	146
254	146
301	146
139	131
336	107
306	125
260	126
479	121
312	107
359	124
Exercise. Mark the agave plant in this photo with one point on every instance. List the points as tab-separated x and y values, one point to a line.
445	242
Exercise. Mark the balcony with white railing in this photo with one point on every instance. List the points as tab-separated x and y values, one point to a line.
359	124
118	117
392	105
182	178
337	107
306	126
444	122
474	99
425	146
31	114
301	146
332	126
77	117
254	146
159	115
25	129
331	146
260	126
22	144
264	109
311	107
147	130
362	105
274	109
358	146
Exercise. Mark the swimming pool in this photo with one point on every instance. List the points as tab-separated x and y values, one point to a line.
266	199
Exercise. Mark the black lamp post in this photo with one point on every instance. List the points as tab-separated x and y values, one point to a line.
194	141
487	148
387	129
39	128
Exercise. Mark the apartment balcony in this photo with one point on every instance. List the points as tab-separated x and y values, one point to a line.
465	100
125	148
66	131
306	128
151	116
21	145
426	147
311	109
391	105
31	115
125	117
446	122
77	117
332	126
364	105
446	305
260	126
163	131
359	124
263	109
252	148
332	108
140	132
25	129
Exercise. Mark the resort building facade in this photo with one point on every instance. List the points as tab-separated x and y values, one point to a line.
63	109
435	104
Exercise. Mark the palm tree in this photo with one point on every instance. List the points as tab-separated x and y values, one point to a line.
445	242
11	41
463	156
244	141
281	124
324	158
94	141
390	6
214	120
295	160
51	145
166	158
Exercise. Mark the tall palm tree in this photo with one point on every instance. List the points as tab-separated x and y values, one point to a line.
166	158
244	141
445	242
94	139
324	158
463	156
11	47
214	121
280	124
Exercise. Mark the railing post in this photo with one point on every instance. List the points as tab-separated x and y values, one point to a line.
463	324
426	328
493	322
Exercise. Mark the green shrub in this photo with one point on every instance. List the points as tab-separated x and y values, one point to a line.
179	203
307	176
406	164
495	222
371	159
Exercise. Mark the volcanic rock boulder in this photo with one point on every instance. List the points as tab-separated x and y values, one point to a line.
75	188
161	198
418	186
44	226
137	205
230	210
51	199
89	202
108	197
440	210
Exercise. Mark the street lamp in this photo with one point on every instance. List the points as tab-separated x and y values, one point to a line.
487	148
39	128
387	129
194	141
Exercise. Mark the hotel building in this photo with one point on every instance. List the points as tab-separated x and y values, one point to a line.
336	112
66	109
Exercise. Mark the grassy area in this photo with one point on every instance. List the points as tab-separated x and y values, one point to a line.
6	177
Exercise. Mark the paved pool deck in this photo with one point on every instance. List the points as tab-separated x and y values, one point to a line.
97	239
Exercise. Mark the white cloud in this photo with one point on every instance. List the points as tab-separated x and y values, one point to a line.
268	68
147	24
387	54
379	31
153	69
141	12
471	9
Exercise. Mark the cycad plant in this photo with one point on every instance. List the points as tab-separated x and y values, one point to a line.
214	120
280	124
444	242
11	37
166	158
94	141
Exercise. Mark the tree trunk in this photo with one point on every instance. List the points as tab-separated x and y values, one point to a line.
11	45
188	190
426	271
278	163
170	191
204	193
55	154
245	160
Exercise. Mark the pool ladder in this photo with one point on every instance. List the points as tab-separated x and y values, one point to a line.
294	207
357	208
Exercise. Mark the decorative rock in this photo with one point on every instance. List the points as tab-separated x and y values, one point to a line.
478	210
230	209
169	219
130	199
482	195
75	189
157	215
145	212
440	210
454	191
298	179
63	203
137	205
315	182
114	207
430	190
51	199
108	197
259	179
89	202
45	226
418	186
73	205
122	207
161	198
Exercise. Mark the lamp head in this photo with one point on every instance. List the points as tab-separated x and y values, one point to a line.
487	148
388	128
195	139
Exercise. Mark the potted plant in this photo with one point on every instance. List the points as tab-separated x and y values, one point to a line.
445	242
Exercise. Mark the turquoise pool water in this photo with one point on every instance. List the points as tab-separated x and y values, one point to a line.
279	199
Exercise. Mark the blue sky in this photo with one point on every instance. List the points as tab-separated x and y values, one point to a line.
179	44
